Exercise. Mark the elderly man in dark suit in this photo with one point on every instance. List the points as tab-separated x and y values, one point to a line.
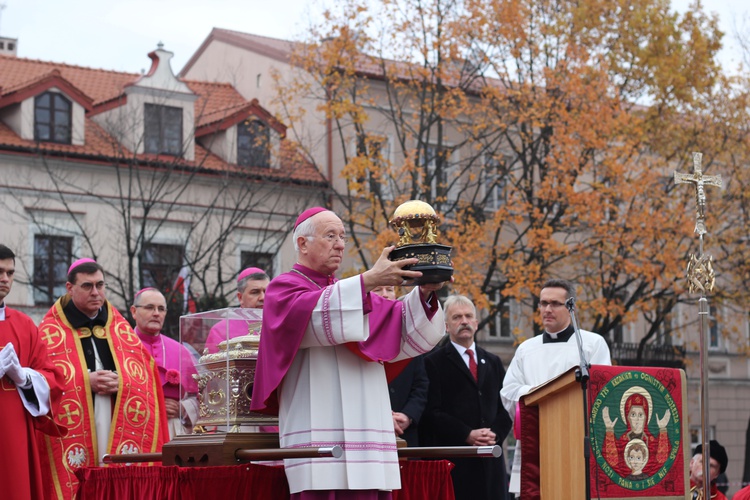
463	404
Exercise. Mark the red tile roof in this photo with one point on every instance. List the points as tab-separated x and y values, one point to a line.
99	85
97	143
214	98
216	103
220	102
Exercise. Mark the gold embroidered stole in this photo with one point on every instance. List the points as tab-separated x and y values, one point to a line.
138	416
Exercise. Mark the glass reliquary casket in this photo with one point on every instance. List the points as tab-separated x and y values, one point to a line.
224	345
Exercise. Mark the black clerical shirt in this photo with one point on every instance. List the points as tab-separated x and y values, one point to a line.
79	320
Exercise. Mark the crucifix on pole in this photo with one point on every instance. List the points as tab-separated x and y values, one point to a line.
701	277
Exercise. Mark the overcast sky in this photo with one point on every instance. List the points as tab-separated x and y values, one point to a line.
118	34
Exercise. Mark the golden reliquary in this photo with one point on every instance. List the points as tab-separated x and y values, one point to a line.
417	226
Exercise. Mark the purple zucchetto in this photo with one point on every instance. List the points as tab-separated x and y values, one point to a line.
79	262
247	272
148	288
307	214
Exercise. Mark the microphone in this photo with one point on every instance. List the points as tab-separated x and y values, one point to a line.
570	303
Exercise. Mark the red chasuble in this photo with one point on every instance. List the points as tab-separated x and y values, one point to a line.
20	471
139	423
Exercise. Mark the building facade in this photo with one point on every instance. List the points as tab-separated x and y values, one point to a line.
154	176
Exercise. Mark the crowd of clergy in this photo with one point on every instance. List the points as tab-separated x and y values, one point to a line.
340	361
85	383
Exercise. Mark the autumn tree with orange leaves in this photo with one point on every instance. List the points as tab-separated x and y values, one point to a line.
544	133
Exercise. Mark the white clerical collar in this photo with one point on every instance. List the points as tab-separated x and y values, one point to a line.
2	311
554	335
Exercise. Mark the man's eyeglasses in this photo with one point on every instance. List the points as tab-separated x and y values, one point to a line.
332	238
151	308
88	286
554	304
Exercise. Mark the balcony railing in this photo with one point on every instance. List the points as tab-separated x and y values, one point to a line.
669	356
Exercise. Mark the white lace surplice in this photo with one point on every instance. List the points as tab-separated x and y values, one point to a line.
331	396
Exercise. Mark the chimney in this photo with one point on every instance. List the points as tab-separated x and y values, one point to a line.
8	46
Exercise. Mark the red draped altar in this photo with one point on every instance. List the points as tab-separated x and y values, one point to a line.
420	480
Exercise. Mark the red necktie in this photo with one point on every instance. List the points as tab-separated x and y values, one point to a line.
472	364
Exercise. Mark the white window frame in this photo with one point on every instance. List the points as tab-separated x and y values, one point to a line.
248	240
497	199
715	320
386	186
666	334
448	172
495	328
53	223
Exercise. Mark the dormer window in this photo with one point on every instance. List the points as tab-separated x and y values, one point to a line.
52	118
253	144
163	130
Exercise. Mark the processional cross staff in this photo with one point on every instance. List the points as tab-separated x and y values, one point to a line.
701	278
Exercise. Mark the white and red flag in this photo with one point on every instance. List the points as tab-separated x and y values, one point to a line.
182	287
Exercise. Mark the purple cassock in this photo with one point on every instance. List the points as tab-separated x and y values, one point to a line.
168	353
320	367
290	300
238	327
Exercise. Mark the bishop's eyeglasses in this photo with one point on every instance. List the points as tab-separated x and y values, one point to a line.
88	286
332	238
151	308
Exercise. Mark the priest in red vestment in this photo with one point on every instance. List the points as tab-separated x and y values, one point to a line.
29	393
112	401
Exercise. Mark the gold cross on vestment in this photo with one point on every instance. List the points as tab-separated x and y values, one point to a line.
700	181
69	414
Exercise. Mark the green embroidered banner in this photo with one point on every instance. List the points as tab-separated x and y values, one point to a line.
638	432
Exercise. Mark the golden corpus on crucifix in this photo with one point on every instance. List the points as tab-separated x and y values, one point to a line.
701	277
416	223
700	272
700	182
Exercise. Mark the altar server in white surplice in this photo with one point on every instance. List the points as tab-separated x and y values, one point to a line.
544	357
321	361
